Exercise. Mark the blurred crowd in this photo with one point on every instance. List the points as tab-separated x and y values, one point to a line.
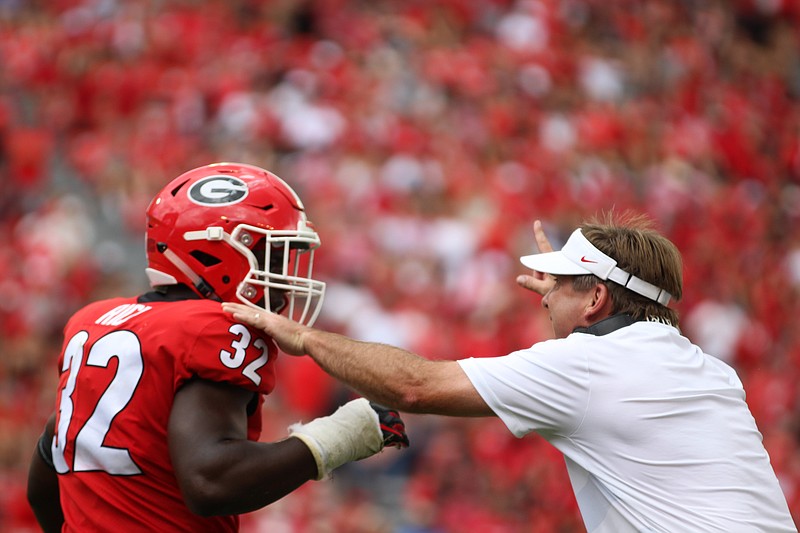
424	137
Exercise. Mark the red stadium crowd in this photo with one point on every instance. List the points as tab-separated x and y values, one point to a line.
424	137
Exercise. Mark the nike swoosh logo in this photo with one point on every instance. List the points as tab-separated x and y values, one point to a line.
584	260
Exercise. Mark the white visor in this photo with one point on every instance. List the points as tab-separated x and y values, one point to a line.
579	257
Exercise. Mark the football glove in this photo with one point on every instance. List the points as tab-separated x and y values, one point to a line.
392	426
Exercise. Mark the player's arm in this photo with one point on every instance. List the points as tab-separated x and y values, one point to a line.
220	472
43	493
386	374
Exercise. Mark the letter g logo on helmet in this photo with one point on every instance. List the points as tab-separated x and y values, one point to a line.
218	191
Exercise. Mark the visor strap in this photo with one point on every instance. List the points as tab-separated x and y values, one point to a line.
619	276
648	290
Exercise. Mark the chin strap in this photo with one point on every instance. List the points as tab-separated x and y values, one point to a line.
202	286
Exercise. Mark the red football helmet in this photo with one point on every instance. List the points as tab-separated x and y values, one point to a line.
235	232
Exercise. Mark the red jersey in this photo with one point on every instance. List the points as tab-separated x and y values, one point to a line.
122	362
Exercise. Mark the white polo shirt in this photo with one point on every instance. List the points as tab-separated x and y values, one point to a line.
656	434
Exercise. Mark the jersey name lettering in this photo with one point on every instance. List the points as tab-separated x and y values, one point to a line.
122	314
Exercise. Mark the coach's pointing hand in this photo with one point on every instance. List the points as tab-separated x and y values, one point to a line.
537	281
288	334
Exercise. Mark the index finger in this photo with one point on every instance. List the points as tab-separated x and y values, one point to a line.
541	239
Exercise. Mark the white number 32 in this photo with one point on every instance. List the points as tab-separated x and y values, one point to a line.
90	452
235	359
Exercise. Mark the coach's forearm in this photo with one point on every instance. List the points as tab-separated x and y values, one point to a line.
383	373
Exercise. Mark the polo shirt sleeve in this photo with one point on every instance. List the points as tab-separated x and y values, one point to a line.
545	388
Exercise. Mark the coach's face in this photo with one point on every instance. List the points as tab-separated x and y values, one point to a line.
567	307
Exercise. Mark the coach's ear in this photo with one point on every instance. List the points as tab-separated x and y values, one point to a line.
599	306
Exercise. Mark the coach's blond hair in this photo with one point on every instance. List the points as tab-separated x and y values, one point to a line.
640	250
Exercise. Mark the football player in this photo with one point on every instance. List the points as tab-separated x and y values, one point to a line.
158	408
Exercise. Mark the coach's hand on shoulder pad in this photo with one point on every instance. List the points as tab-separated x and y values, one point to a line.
288	334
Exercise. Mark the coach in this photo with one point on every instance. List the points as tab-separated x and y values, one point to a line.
656	434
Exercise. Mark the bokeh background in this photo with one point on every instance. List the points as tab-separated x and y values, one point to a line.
424	136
